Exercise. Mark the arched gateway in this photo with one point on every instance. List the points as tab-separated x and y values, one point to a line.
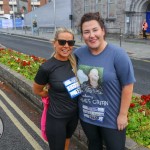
136	11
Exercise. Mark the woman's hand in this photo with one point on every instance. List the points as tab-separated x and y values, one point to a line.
41	90
122	121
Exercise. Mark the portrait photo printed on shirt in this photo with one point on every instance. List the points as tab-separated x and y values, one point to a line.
90	79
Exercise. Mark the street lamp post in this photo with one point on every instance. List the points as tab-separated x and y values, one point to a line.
32	17
14	18
54	2
33	5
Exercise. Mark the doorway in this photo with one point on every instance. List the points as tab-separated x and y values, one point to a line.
148	20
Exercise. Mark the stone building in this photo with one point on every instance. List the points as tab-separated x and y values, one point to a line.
126	15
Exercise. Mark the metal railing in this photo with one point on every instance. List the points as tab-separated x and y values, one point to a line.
111	33
116	33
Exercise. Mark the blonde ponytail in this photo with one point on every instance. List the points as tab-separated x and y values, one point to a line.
73	63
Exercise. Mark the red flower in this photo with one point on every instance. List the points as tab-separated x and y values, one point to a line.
145	98
143	103
132	105
140	110
18	60
28	63
2	49
23	63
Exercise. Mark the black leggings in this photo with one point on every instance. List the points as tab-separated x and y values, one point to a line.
58	129
97	136
144	34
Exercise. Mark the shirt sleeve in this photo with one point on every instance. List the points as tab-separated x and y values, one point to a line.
124	68
42	76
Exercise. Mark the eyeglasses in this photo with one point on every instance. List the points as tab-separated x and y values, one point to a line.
63	42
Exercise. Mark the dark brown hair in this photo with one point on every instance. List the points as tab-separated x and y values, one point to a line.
92	16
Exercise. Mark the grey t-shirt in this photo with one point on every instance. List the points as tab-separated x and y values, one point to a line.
102	77
54	72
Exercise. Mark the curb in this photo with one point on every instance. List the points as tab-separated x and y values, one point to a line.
2	46
35	37
138	40
28	36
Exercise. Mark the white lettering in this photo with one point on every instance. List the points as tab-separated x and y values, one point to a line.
104	103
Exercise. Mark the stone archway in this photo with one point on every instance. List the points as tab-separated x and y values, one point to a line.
135	13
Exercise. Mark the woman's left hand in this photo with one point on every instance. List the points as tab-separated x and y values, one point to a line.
122	121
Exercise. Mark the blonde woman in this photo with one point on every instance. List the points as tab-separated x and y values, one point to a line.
60	73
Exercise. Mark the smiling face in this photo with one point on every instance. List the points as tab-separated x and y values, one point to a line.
93	35
62	52
94	77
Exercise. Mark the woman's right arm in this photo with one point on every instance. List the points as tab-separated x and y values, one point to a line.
40	90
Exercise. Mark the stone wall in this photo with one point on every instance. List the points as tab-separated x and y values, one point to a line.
20	83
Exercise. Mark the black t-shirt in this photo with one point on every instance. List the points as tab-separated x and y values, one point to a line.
55	72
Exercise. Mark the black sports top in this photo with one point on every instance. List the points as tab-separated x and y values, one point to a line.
55	72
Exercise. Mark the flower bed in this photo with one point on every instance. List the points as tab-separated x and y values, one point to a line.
24	64
139	112
139	120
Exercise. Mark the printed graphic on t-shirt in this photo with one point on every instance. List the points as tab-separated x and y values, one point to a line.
73	87
93	105
90	79
94	113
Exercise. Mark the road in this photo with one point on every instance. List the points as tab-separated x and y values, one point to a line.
142	75
27	45
44	49
21	122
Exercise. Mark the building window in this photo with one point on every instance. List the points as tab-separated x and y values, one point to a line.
111	9
98	6
34	7
13	8
32	1
87	6
1	8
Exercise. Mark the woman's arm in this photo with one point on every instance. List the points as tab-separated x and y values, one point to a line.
122	120
40	90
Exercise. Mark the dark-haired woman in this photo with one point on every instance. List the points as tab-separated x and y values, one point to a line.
103	112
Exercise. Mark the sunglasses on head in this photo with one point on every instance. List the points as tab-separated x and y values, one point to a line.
63	42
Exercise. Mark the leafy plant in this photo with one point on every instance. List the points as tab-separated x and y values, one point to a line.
24	64
139	120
